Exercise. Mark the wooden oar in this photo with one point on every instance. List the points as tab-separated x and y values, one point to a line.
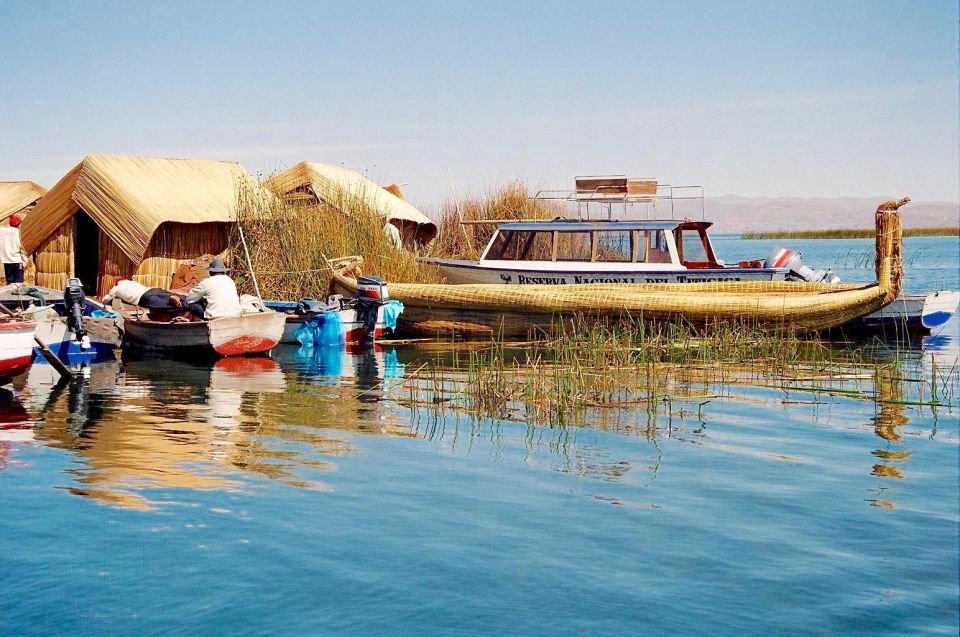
57	364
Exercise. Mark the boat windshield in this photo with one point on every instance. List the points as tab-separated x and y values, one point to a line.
694	247
600	246
513	245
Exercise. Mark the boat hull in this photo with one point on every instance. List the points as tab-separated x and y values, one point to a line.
104	336
459	272
913	312
353	329
244	335
16	347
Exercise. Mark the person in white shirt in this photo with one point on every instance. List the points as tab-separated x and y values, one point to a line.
11	251
392	234
128	291
216	296
133	293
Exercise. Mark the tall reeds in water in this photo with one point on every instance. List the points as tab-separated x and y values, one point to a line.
290	241
587	366
512	201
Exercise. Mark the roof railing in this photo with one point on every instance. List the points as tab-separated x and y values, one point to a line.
617	197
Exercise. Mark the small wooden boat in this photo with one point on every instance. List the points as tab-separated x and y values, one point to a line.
244	335
16	347
512	310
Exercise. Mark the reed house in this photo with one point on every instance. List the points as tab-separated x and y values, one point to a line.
18	198
310	184
114	216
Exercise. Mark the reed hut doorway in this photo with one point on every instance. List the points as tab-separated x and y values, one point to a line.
86	252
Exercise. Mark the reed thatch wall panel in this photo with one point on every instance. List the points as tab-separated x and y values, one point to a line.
174	244
53	258
114	264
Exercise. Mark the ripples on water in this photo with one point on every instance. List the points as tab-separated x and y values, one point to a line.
305	495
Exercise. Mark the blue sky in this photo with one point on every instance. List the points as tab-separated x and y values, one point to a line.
753	98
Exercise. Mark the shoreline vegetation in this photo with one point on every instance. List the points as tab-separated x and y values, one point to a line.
850	233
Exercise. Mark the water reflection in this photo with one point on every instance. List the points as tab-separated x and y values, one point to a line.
139	430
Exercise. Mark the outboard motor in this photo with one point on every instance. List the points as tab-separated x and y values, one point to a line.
793	260
75	301
372	294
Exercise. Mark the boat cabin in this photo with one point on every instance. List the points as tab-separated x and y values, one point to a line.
656	245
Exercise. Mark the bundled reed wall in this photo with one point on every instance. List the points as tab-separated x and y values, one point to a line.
53	258
174	244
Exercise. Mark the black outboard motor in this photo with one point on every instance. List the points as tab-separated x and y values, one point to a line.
75	301
372	294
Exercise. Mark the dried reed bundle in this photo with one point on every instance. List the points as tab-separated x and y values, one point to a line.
513	201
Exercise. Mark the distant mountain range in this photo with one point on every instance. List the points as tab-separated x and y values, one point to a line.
732	213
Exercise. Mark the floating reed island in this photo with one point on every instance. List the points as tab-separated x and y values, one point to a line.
515	311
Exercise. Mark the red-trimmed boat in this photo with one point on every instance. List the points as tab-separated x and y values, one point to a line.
16	347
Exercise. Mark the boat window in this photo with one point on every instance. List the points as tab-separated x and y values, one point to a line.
499	244
536	246
614	246
655	249
573	246
692	247
513	245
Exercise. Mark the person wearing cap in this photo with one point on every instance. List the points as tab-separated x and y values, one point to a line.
217	294
11	251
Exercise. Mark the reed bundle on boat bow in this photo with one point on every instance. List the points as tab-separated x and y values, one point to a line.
513	309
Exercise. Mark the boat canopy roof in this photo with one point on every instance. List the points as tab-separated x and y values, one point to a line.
588	226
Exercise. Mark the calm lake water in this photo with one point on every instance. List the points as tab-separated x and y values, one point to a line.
303	495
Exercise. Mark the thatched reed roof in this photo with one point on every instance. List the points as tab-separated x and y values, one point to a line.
130	197
17	195
331	184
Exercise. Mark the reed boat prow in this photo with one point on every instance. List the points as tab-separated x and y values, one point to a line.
512	310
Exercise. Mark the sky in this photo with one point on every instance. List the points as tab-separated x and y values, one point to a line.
760	99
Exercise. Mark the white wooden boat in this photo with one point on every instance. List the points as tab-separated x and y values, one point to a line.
16	347
244	335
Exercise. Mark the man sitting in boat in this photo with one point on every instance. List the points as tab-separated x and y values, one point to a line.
216	296
134	293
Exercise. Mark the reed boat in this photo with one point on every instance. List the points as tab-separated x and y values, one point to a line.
16	347
244	335
514	310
